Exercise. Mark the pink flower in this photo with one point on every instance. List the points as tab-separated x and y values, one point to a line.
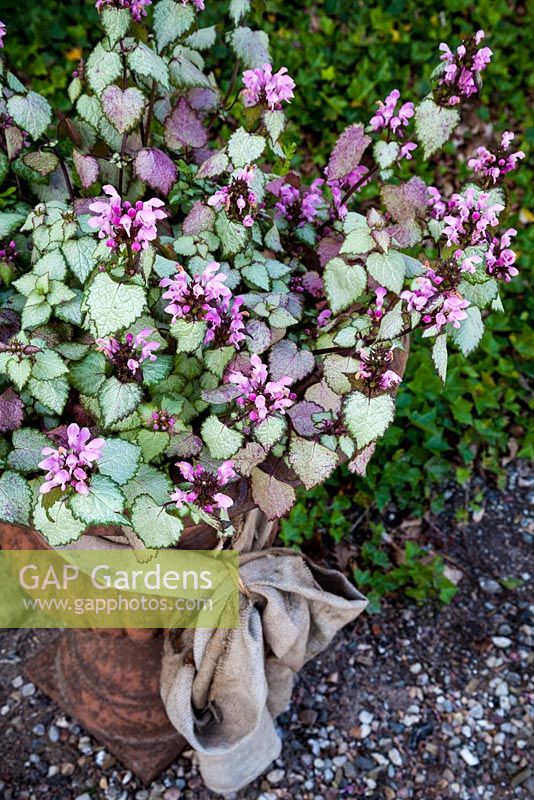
71	464
3	31
238	199
406	151
437	298
264	88
299	206
204	486
136	7
226	324
8	252
121	223
461	74
259	396
199	4
497	163
467	263
469	216
128	356
323	317
340	187
162	421
377	312
500	259
373	369
388	117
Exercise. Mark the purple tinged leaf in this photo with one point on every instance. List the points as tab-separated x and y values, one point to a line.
9	324
286	359
183	128
328	248
14	141
248	457
359	463
271	495
407	200
200	218
156	169
123	108
301	417
348	152
258	336
322	394
213	166
203	99
87	169
11	411
184	445
223	394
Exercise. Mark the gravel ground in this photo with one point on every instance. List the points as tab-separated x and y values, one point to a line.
420	702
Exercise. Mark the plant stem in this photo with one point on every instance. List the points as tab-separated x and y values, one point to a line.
65	172
150	114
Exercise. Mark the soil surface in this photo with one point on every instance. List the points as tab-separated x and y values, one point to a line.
426	702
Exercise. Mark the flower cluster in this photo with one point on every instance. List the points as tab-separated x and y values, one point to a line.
71	464
264	88
135	7
205	485
237	199
162	420
199	4
298	206
3	31
373	369
467	215
437	299
389	117
460	78
128	356
500	259
496	164
120	222
205	297
260	396
8	252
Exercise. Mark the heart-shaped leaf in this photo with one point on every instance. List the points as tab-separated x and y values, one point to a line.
155	168
123	108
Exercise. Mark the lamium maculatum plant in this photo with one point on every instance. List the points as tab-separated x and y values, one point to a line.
181	315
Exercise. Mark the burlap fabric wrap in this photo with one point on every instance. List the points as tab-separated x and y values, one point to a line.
224	688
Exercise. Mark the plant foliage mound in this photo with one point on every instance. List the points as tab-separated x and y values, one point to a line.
185	322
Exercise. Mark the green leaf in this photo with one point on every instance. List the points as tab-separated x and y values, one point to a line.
34	315
391	323
434	125
344	283
368	418
79	252
359	239
152	443
119	460
27	449
189	335
57	522
274	122
439	356
103	505
238	9
221	441
387	270
386	153
154	525
102	68
48	365
146	63
469	334
171	20
117	400
31	112
203	39
15	499
18	371
89	374
116	22
252	47
53	265
149	481
10	222
52	394
112	306
245	148
156	371
270	430
312	462
232	234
